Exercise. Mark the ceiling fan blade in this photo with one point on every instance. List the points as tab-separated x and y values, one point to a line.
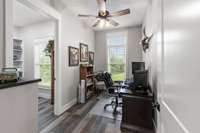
99	2
96	24
102	5
112	22
86	15
120	13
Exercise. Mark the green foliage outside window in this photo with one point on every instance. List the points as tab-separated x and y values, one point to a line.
117	68
45	71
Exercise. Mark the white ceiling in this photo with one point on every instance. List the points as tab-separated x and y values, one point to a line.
138	9
24	16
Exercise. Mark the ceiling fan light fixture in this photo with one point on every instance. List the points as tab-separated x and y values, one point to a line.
107	25
102	23
104	17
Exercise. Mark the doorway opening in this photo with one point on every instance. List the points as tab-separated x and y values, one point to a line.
34	54
44	66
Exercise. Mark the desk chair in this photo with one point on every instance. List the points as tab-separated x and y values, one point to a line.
112	91
99	83
137	66
140	81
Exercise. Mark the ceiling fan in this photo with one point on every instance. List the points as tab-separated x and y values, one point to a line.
104	16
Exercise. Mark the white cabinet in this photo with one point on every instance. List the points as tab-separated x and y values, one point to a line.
18	55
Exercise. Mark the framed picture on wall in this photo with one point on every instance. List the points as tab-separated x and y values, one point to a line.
83	52
73	56
91	58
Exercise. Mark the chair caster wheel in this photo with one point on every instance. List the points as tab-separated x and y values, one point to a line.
115	113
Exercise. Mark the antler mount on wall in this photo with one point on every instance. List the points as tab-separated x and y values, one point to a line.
145	42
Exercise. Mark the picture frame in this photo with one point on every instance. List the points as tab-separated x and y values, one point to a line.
73	56
83	52
91	58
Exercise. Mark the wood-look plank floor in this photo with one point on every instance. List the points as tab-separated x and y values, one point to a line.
77	114
45	113
86	118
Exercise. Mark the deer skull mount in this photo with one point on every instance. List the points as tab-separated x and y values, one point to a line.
145	40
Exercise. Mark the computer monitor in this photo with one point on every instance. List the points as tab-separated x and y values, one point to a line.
138	66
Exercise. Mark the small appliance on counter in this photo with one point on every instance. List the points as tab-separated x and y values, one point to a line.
9	75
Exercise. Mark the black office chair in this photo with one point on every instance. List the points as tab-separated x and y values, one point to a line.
137	66
112	89
140	81
99	82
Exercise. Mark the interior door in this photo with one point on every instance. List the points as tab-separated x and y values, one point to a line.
175	66
180	103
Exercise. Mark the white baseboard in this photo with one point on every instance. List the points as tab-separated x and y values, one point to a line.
68	105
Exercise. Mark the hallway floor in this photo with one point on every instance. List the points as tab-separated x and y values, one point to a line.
45	113
80	118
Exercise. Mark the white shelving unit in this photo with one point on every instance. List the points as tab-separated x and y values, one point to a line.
18	56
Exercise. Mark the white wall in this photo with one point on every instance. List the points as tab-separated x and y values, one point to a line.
134	50
28	35
100	51
73	32
19	109
1	32
47	1
175	53
8	32
17	33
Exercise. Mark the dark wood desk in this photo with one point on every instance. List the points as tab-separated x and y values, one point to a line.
124	91
118	94
137	113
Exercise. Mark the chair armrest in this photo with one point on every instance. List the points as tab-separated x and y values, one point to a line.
111	90
118	81
112	87
117	86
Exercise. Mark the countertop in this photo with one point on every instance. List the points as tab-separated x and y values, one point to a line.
19	83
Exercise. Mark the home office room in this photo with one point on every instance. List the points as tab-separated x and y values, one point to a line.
98	66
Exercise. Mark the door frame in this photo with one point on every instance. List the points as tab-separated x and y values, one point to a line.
43	8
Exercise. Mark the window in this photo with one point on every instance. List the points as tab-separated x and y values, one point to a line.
42	62
116	44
